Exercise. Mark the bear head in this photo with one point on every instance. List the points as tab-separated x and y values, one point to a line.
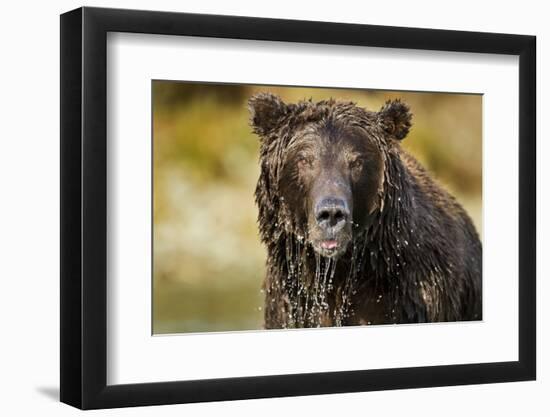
323	167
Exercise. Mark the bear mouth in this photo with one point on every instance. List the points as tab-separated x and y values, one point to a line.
330	248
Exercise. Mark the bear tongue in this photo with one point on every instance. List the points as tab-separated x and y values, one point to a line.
329	244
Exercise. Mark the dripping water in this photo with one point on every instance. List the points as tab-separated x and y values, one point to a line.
313	298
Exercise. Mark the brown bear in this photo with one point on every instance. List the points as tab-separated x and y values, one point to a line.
356	230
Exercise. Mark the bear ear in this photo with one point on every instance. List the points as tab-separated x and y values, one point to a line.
395	118
266	110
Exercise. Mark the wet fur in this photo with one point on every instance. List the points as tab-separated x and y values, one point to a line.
416	258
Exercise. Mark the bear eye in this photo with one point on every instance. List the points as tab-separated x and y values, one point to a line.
357	163
304	160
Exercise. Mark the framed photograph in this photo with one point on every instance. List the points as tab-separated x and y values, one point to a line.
256	208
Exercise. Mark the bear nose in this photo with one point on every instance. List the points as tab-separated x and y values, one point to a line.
331	212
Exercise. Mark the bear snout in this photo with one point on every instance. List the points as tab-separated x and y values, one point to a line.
331	213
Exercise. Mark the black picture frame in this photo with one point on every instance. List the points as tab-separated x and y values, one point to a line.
84	207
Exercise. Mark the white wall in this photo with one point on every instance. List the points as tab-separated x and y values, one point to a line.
29	237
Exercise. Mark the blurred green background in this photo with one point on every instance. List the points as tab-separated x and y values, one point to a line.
208	260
